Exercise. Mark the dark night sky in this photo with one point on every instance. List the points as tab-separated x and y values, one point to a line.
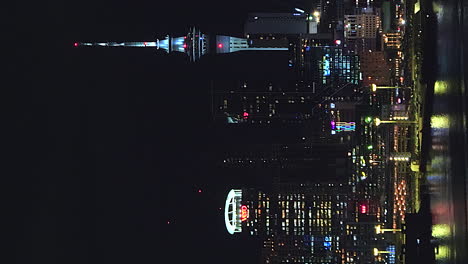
114	143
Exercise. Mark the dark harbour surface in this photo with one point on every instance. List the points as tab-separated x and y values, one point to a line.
448	178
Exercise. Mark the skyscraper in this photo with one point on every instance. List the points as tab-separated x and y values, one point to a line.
300	221
331	66
303	223
264	102
361	32
293	162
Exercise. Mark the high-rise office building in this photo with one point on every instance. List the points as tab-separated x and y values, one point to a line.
293	162
361	26
303	223
331	17
263	102
264	24
292	215
331	66
361	32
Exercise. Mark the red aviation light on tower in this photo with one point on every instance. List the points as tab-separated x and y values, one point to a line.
220	45
244	213
363	209
75	44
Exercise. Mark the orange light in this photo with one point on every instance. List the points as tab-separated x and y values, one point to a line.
244	213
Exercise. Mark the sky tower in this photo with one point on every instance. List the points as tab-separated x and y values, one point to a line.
195	44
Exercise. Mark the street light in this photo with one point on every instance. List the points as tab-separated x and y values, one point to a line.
374	87
377	121
379	230
377	252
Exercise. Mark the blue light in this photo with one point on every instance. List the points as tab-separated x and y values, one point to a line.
327	243
307	48
326	65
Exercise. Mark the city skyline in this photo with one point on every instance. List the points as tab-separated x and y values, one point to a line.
267	132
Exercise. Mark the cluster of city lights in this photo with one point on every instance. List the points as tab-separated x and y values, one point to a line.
399	206
399	118
400	158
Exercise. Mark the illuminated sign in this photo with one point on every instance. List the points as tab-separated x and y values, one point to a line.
363	209
244	213
326	65
345	126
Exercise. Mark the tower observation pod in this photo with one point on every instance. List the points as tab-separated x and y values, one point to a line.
232	211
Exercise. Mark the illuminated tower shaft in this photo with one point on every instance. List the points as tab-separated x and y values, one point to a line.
195	44
169	44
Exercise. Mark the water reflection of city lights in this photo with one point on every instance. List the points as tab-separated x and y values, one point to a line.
440	230
440	87
439	121
442	252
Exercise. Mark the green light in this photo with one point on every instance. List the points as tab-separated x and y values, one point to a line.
440	87
369	147
441	231
439	121
368	119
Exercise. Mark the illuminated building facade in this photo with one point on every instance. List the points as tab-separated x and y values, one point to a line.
375	68
294	162
392	40
361	32
331	16
305	223
361	26
261	24
371	179
340	112
359	241
299	223
331	66
264	102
